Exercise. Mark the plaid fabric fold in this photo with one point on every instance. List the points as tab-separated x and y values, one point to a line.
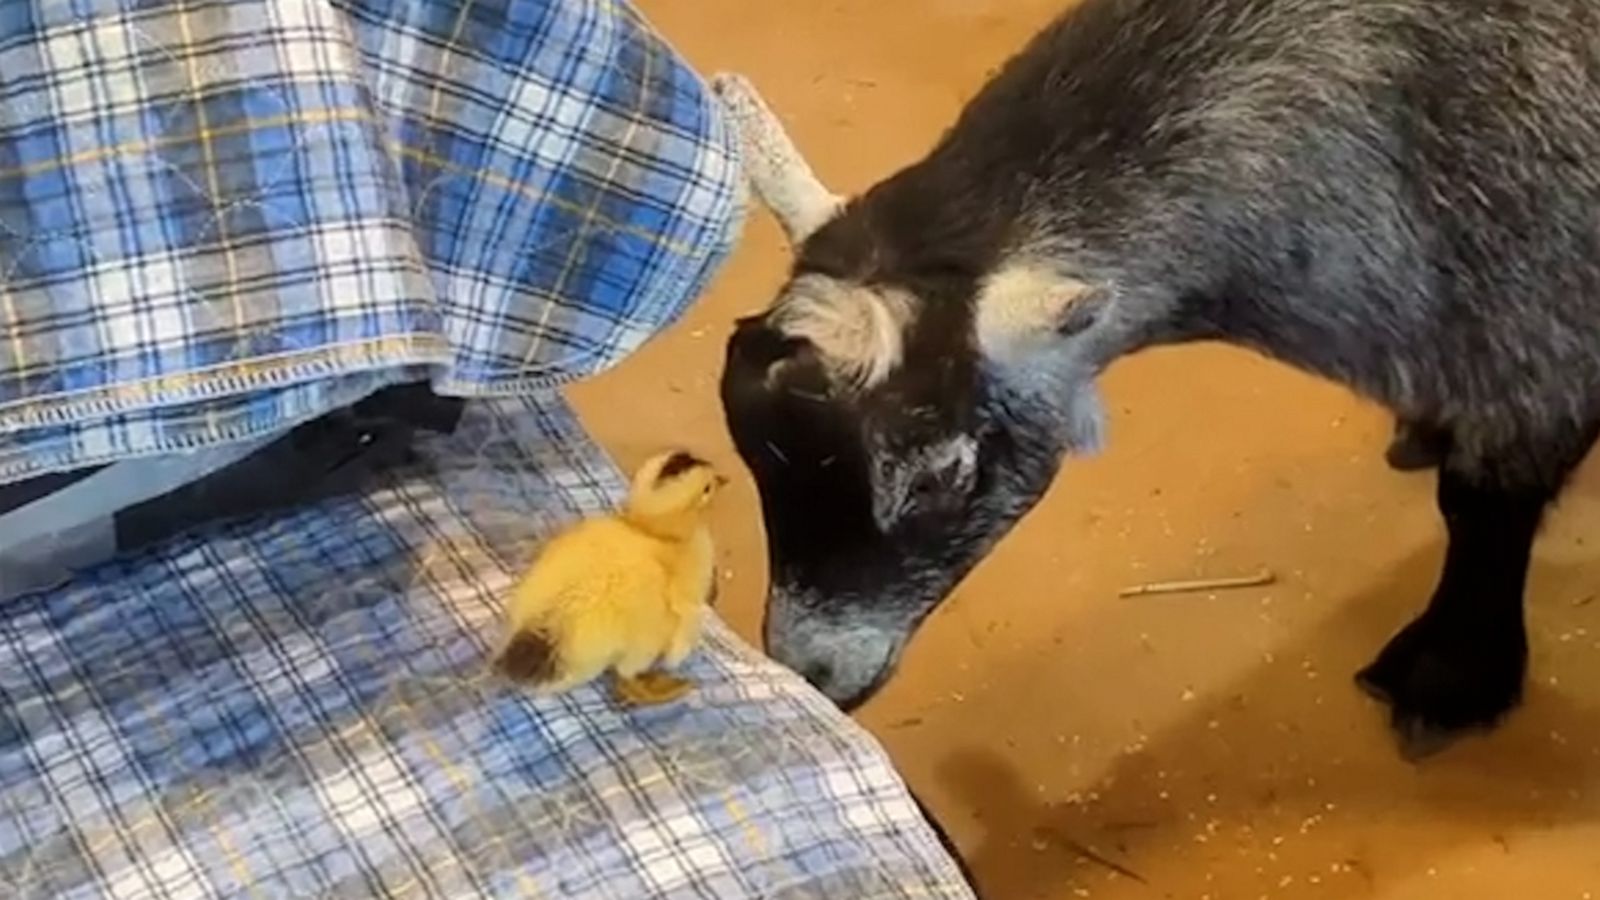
221	217
299	706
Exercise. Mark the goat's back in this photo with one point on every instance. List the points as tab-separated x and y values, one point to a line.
1401	194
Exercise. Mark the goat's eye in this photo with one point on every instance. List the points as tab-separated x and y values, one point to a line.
925	489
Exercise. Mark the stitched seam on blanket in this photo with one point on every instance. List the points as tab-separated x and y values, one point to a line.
350	387
259	373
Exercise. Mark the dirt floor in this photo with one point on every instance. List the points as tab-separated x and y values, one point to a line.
1206	746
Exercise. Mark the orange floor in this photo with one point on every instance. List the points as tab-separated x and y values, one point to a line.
1205	746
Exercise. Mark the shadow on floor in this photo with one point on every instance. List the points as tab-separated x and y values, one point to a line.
1246	775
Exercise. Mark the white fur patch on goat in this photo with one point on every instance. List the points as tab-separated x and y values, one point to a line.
778	174
858	331
1020	303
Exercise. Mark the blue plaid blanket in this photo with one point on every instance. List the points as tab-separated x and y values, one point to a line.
300	707
222	217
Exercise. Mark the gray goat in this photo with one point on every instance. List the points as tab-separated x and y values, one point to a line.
1399	195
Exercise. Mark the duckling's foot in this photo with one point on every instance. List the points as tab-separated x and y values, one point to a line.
651	689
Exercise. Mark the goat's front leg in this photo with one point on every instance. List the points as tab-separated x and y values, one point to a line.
1460	665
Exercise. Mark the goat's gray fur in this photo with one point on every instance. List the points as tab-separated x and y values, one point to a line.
1400	195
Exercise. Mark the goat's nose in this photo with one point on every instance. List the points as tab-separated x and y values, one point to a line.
819	674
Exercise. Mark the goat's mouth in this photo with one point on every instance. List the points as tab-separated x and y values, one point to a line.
847	653
859	698
849	687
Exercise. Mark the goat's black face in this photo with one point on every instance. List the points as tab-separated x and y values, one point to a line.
878	501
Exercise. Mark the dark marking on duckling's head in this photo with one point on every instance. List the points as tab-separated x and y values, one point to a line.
677	464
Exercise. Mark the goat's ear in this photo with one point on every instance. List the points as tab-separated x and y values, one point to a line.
1021	304
778	174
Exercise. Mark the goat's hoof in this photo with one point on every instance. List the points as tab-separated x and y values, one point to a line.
1441	683
1415	448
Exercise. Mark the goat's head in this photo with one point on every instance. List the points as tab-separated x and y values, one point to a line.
890	432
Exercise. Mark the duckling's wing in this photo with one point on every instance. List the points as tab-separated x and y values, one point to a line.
597	565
